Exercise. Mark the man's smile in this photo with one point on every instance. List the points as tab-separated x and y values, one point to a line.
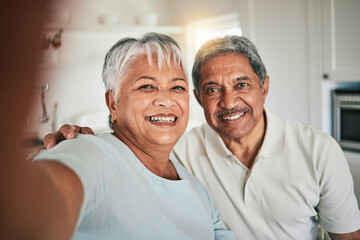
234	117
232	114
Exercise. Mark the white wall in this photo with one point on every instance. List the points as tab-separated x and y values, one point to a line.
187	11
279	30
87	12
281	37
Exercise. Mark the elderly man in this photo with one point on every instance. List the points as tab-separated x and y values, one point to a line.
270	178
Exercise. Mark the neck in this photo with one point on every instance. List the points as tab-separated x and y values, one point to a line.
155	158
247	147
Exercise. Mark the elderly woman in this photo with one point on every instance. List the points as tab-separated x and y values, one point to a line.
122	185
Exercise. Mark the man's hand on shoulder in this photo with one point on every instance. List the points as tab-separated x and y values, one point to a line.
348	236
65	132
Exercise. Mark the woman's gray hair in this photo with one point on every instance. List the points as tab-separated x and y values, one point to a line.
227	45
155	45
119	58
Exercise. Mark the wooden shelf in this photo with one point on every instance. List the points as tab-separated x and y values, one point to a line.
166	29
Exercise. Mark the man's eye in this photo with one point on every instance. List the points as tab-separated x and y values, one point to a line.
211	90
242	85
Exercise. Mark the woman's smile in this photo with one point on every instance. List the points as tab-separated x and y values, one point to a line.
163	119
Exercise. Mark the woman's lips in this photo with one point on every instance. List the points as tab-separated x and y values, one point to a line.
163	119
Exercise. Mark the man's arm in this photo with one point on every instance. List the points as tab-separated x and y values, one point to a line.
65	132
338	207
347	236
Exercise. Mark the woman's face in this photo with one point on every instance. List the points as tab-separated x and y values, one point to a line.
153	105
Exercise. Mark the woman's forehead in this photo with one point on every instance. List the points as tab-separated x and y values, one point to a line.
143	63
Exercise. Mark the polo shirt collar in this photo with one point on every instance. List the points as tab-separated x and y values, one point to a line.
214	145
274	140
273	145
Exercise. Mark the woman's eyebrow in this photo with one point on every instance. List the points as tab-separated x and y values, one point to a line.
146	77
155	79
179	79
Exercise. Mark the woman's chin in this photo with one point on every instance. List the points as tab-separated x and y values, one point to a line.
165	141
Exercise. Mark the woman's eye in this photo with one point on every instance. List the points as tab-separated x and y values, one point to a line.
179	88
146	87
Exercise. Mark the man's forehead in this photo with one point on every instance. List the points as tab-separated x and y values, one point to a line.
226	71
227	60
217	70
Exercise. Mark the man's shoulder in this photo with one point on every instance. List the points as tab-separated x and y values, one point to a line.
303	134
304	130
296	128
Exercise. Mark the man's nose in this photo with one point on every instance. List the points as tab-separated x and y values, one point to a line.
228	99
164	99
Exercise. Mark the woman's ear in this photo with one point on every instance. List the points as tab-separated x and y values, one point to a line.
111	102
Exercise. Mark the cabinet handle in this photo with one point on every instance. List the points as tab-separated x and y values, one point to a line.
326	76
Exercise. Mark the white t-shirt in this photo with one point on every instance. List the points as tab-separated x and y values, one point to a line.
124	200
299	178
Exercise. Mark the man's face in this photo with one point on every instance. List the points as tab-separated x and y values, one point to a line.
231	96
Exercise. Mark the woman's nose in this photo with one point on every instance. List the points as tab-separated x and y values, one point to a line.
164	99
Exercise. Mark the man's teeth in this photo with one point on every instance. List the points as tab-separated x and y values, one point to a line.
234	117
162	119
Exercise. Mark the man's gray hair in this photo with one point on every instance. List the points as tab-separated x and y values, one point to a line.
229	44
119	58
155	45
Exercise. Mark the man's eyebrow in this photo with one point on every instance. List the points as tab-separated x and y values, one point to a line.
242	78
209	83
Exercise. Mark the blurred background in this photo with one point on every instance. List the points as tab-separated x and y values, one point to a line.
309	47
294	38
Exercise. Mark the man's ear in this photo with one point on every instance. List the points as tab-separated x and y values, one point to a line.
265	87
197	97
110	102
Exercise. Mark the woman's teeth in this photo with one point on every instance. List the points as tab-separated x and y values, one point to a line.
233	117
162	119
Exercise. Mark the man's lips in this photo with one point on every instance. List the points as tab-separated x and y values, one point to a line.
233	117
231	114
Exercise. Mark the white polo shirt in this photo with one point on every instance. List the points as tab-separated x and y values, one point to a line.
299	178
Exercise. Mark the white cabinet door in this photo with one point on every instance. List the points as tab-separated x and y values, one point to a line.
341	40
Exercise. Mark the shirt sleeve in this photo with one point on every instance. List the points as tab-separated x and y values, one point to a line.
221	232
90	163
338	208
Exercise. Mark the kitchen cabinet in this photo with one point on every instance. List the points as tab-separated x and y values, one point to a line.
85	45
341	40
132	29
